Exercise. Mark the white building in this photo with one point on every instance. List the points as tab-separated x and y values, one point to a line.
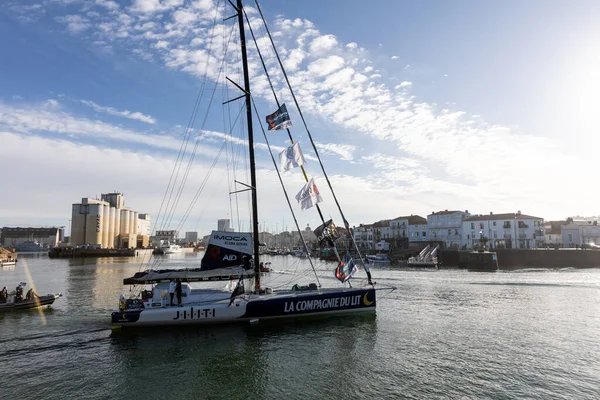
512	230
191	237
446	226
413	227
167	235
223	225
417	229
363	236
553	233
381	230
583	232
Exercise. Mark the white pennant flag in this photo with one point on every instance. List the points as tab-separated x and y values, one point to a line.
309	195
291	157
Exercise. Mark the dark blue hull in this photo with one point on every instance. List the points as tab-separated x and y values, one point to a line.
288	304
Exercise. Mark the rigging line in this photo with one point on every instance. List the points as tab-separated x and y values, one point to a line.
346	223
331	242
197	142
195	199
284	190
168	215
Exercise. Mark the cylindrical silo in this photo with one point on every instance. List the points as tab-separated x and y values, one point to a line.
77	225
125	222
117	227
93	229
105	225
135	223
111	227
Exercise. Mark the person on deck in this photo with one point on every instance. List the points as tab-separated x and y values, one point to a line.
3	295
247	262
178	290
30	294
172	286
19	293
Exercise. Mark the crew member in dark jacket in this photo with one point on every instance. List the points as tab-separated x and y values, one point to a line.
178	291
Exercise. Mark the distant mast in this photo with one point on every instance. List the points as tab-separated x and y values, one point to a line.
240	14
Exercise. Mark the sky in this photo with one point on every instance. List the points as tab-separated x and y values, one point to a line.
414	107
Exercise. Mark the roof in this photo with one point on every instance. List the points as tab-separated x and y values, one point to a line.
493	217
417	220
445	212
553	227
18	232
382	223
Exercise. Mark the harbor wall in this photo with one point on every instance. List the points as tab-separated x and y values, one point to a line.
532	258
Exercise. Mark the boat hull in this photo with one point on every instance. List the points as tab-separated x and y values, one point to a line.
41	301
271	306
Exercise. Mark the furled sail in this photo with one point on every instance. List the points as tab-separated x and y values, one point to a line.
227	249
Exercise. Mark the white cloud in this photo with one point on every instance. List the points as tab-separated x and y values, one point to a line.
368	69
323	44
185	17
325	66
294	59
404	84
75	23
344	151
352	45
394	57
111	5
125	113
153	6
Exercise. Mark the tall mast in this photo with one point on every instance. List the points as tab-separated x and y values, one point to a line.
240	14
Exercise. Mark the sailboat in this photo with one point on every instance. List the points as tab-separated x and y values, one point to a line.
234	257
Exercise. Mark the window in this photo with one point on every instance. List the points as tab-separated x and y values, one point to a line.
570	237
550	237
449	232
468	237
495	235
494	223
472	225
481	225
424	234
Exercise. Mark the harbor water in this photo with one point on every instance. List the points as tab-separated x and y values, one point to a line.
441	334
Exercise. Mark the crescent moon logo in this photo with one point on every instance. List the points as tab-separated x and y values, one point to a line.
366	301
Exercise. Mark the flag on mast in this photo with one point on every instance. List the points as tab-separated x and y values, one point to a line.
291	157
309	195
346	268
280	119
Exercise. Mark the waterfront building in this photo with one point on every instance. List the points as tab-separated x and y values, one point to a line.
107	223
553	234
446	226
510	230
223	225
364	237
191	237
417	229
169	235
580	232
381	230
16	236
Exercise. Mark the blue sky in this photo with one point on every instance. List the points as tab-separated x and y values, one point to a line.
415	106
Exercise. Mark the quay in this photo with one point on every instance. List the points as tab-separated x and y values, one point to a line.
525	258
